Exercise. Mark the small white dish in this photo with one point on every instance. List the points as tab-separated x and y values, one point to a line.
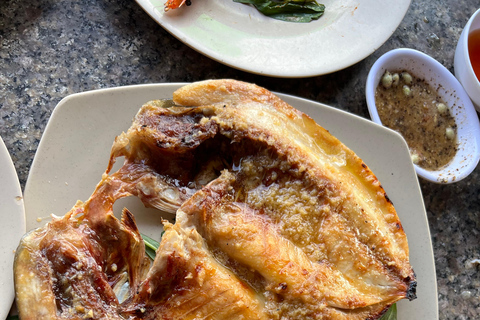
75	148
239	36
12	227
462	66
468	128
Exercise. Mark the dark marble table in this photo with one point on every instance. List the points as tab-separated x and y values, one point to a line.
50	49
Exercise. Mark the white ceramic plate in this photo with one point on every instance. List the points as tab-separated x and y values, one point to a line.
75	149
239	36
12	227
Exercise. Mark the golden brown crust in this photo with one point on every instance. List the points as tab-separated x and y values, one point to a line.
305	142
276	219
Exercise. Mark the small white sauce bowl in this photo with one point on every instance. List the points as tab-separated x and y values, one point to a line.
453	94
462	65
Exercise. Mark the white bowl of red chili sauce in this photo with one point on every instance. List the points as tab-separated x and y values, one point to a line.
413	94
467	58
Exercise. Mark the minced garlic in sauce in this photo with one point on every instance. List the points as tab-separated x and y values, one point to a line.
413	108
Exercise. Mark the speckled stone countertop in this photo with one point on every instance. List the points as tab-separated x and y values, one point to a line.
50	49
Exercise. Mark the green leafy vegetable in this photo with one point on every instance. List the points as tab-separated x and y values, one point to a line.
151	246
288	10
391	313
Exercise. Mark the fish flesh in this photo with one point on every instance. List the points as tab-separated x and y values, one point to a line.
275	219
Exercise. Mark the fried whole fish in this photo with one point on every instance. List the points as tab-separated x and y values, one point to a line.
275	219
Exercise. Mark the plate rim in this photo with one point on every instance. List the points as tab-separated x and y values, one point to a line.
9	172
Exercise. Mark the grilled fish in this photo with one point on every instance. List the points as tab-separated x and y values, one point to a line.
275	219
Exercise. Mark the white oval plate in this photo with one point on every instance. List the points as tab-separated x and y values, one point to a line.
239	36
75	149
12	227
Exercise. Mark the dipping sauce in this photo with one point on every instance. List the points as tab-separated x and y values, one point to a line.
413	108
474	51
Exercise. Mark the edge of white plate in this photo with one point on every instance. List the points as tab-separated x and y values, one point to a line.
279	68
12	230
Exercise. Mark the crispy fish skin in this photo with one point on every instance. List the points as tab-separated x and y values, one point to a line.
187	282
275	219
259	115
70	268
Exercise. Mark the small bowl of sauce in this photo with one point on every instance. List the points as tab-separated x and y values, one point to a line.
467	59
414	95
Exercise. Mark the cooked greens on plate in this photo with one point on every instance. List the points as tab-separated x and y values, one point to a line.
285	10
288	10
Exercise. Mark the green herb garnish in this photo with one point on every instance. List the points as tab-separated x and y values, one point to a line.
151	246
391	313
288	10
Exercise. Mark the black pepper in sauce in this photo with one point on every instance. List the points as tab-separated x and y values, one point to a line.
413	108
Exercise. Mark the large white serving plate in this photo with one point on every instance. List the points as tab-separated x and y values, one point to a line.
75	148
12	227
239	36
